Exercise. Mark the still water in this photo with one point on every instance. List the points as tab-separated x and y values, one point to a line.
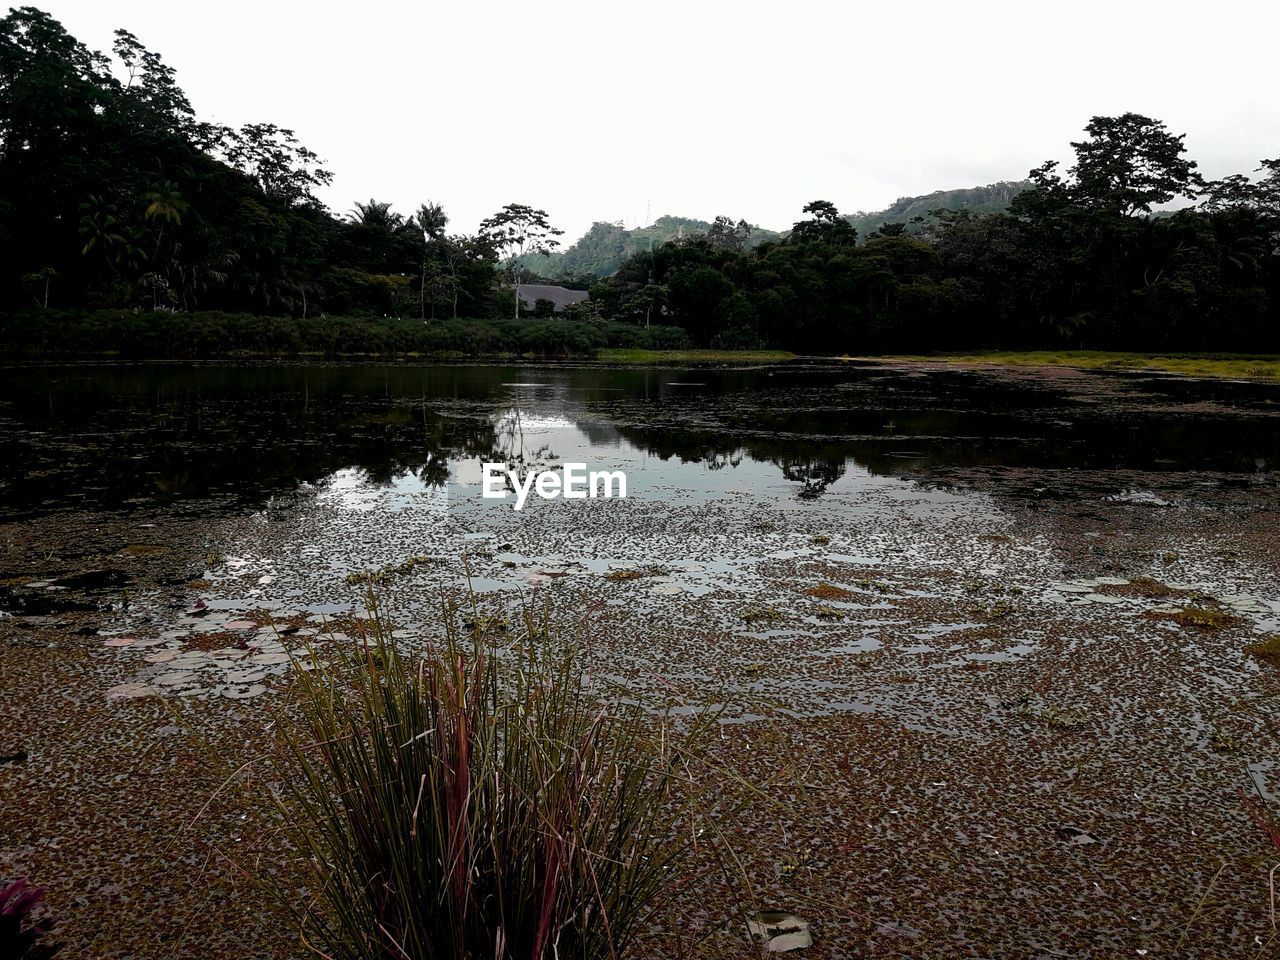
110	436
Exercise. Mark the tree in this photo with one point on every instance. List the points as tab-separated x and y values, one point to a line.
1130	164
516	230
824	226
283	168
152	89
724	234
431	220
39	282
165	204
376	216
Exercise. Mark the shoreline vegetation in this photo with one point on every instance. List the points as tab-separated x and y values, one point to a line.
129	336
1230	366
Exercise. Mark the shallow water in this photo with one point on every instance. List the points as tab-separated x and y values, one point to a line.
111	436
948	596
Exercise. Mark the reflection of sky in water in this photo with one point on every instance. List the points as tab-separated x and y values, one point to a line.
547	442
120	435
350	489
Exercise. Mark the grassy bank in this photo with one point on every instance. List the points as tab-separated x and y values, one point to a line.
1224	365
642	356
128	334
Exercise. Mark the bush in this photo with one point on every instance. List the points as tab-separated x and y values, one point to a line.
209	334
477	800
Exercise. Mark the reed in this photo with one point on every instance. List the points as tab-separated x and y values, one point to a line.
480	799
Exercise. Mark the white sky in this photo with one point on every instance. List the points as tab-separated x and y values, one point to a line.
601	111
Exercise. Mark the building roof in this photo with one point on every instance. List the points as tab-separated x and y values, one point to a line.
560	296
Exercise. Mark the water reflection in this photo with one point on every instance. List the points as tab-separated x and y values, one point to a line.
110	436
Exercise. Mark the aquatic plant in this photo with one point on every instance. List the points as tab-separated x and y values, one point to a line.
1150	588
1205	618
477	800
384	575
26	924
829	591
996	611
1052	715
759	613
1267	649
617	576
1270	827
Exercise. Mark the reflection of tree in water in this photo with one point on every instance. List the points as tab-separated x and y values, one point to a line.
813	463
510	445
718	461
418	442
815	475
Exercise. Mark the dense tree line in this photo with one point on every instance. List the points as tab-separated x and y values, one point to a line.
1091	259
114	194
115	198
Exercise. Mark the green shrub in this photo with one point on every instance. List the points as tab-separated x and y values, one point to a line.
476	800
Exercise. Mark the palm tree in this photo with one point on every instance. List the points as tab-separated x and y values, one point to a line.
431	220
102	230
165	204
376	216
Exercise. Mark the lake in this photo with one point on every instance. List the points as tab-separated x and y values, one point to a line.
988	626
113	436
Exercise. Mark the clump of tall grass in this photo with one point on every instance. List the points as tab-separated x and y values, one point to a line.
477	800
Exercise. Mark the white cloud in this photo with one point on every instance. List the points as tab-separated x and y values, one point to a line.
699	108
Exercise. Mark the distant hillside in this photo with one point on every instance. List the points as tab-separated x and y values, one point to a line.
993	198
604	248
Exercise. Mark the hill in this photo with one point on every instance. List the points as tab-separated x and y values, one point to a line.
605	246
993	198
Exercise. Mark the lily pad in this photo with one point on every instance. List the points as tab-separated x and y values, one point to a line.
780	931
246	676
244	693
1105	598
269	659
131	691
175	678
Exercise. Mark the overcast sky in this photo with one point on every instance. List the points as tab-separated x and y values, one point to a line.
611	111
